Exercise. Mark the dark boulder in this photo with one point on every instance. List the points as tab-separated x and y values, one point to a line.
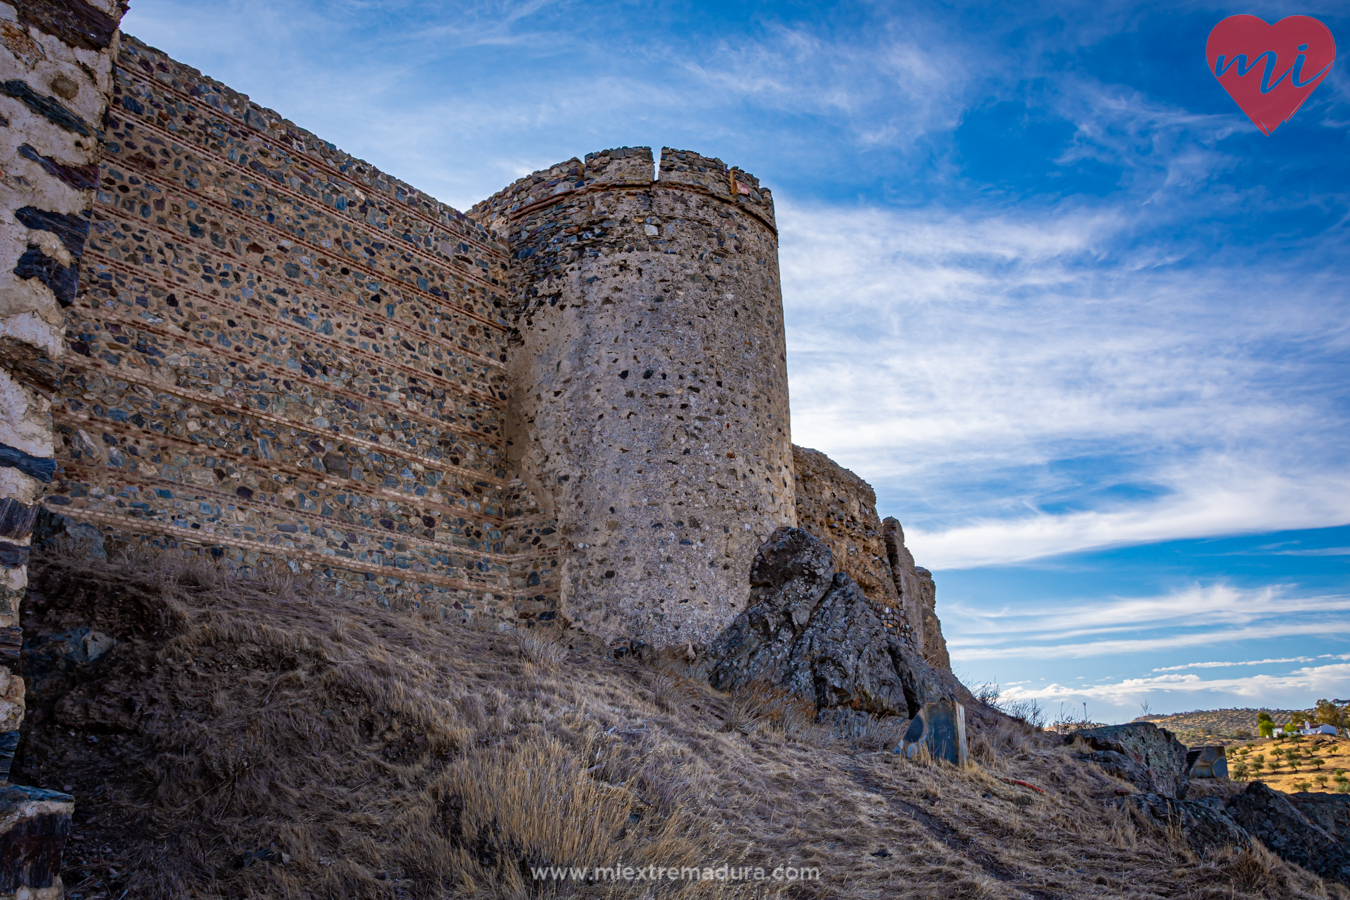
1206	825
51	530
1330	812
1289	834
815	633
791	574
1149	757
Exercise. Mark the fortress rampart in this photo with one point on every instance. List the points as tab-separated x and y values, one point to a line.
649	401
219	331
282	352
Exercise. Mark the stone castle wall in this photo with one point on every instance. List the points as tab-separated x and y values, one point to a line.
283	353
569	404
219	331
649	405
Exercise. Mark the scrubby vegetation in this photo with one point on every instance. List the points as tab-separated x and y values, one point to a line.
256	737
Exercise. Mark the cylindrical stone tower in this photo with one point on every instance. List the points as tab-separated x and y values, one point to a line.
649	397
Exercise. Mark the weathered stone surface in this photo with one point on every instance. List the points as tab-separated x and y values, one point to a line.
329	396
1289	834
918	597
1206	825
789	577
649	406
939	727
1206	762
819	636
52	529
1330	812
840	508
1149	757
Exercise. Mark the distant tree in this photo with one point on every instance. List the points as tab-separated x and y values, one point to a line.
1265	726
1240	772
1343	787
1328	712
1317	762
1302	785
1289	728
1321	780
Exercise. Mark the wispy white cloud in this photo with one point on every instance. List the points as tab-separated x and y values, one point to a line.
1001	361
1251	662
1292	688
1199	605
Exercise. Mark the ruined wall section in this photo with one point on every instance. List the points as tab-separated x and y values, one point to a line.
648	368
918	597
283	353
840	508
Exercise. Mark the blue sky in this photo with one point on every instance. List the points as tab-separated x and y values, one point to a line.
1082	326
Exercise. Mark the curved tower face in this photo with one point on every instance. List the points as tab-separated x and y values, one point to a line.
649	397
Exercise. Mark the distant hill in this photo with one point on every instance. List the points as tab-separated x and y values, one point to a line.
1215	725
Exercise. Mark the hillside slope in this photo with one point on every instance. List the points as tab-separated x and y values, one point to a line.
1215	726
230	738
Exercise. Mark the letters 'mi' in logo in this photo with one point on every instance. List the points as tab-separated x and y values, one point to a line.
1270	69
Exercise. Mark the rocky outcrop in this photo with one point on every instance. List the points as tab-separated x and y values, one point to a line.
1289	834
1206	825
1149	757
918	596
815	633
840	509
1330	812
1308	830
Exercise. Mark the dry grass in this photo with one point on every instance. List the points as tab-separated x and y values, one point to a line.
1299	763
256	738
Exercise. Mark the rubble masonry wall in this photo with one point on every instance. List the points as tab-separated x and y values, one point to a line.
649	402
282	353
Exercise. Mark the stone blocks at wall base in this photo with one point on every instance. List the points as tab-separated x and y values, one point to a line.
34	825
1206	762
940	729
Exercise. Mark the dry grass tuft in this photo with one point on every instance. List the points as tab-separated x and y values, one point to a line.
251	736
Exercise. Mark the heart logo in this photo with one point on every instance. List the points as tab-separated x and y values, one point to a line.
1270	69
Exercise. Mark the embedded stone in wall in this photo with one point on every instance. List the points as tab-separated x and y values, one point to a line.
649	407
